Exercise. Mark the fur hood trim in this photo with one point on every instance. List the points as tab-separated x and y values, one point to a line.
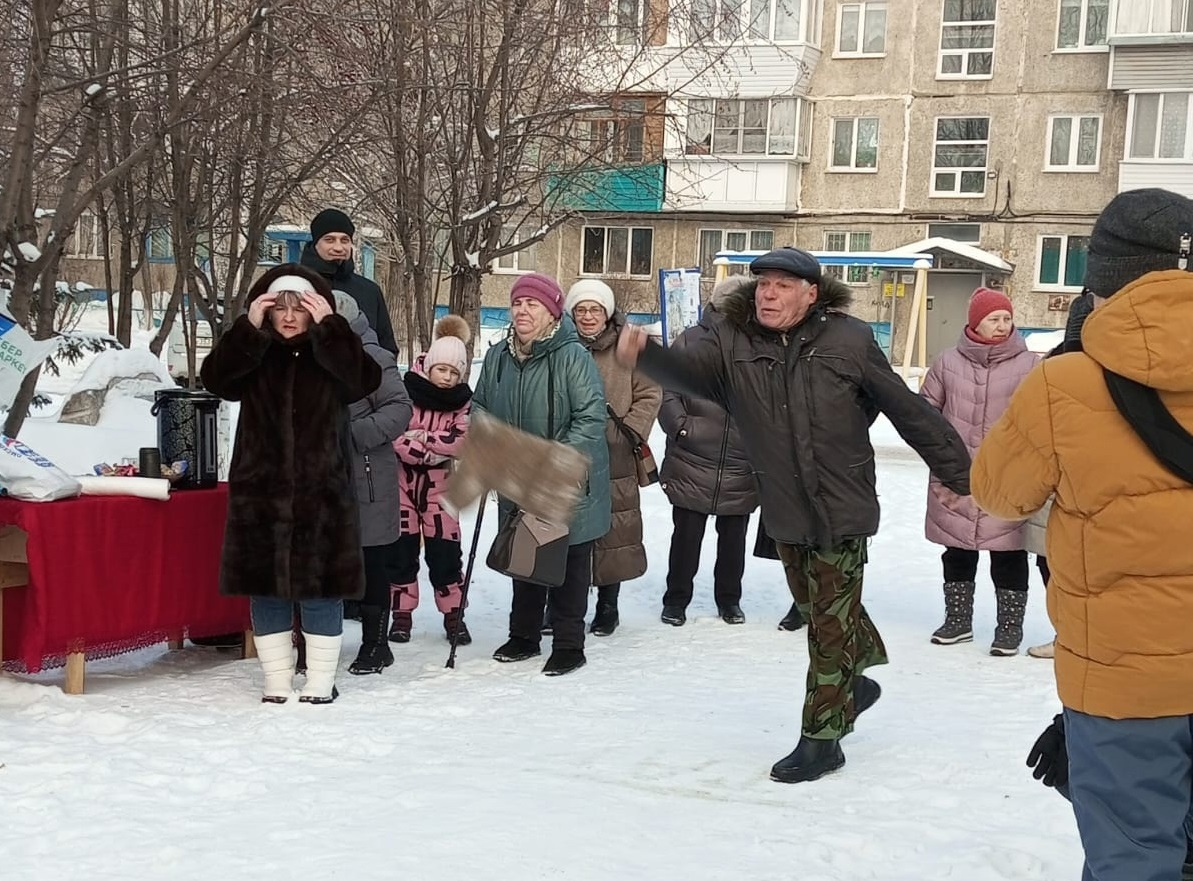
736	302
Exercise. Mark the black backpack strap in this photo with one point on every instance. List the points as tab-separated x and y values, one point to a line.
1146	414
632	436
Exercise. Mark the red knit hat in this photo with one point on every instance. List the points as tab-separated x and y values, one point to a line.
983	302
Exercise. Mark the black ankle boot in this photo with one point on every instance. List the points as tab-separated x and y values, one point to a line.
563	661
517	649
810	760
793	620
606	619
454	620
374	655
732	614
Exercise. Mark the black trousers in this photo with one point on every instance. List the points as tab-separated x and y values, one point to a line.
569	603
1045	572
378	563
1008	569
684	562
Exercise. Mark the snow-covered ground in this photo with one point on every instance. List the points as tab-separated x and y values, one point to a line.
650	763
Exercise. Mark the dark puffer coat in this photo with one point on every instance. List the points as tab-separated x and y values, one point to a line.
293	528
377	420
804	400
342	276
705	468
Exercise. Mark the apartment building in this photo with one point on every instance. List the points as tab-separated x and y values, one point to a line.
1151	64
981	132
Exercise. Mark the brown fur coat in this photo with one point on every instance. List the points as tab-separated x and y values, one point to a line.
293	528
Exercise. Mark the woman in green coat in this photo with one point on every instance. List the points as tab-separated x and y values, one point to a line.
542	381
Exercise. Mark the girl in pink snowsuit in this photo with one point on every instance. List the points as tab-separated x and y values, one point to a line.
441	402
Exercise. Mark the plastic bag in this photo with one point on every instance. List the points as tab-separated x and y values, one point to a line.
30	477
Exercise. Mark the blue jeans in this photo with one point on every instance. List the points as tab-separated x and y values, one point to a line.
1132	786
319	617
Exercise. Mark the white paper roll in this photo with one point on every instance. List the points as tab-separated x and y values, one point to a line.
143	487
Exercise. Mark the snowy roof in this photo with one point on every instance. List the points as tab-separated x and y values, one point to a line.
969	252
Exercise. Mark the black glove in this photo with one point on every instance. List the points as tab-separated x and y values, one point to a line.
1048	757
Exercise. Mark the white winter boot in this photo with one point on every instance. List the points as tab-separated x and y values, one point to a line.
276	651
323	657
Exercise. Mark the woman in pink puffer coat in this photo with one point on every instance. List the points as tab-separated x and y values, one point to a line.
972	385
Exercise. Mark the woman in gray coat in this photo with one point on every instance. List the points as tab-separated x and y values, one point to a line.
376	421
705	472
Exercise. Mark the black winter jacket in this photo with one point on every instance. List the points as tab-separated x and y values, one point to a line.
804	401
342	277
705	468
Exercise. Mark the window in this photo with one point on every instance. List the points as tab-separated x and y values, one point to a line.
749	127
160	247
1083	24
855	144
272	250
967	40
1074	143
850	242
969	233
620	138
630	22
617	250
87	240
522	260
1159	126
861	29
1154	17
959	156
727	21
714	240
1061	262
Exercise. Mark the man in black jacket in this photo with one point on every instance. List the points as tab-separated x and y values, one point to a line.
329	253
803	380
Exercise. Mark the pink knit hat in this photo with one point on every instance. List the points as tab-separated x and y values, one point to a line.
450	344
985	301
542	288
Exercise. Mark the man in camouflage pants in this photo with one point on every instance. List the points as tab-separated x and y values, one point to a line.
827	587
804	380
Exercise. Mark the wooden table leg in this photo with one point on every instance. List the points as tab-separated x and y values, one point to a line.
250	647
76	663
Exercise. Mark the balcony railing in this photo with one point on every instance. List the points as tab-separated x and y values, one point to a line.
634	188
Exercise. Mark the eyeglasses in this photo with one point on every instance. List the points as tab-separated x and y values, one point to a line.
595	311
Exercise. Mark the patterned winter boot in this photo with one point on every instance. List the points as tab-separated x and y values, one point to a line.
958	614
403	600
1009	632
374	655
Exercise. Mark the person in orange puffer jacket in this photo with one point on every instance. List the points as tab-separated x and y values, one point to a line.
1108	431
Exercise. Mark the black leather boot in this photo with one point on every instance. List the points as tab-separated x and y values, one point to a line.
606	619
810	760
374	655
793	620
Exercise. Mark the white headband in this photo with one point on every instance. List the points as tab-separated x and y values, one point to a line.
290	283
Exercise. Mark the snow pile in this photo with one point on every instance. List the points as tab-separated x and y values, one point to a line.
128	373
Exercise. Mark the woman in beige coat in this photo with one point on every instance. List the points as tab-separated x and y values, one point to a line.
634	401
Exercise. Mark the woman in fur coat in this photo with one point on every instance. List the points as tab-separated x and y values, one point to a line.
633	404
972	384
293	528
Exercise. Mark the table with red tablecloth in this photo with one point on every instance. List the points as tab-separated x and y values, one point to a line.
109	574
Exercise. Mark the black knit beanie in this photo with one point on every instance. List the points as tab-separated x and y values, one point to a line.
331	220
1140	231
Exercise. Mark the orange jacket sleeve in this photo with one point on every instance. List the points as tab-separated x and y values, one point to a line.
1015	469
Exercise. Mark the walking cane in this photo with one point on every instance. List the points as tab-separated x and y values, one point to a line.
476	535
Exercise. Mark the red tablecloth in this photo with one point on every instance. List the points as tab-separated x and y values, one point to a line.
109	574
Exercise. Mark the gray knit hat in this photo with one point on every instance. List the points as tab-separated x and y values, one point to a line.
1140	231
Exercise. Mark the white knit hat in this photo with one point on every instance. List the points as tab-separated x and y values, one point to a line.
451	344
593	290
294	283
